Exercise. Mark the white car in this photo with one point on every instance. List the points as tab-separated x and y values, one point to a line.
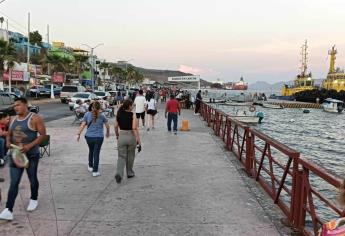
102	95
83	96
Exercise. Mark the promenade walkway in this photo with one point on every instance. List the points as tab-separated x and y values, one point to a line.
184	185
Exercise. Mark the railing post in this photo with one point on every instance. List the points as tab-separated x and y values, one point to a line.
299	196
249	152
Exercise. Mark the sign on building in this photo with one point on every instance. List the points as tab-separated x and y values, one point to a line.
191	78
58	77
15	75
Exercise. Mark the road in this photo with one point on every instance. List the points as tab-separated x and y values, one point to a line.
54	111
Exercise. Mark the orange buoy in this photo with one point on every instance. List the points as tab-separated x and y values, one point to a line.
185	125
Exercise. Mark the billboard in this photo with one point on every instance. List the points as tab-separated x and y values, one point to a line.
59	77
15	75
190	78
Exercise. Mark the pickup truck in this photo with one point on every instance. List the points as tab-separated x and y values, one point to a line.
6	104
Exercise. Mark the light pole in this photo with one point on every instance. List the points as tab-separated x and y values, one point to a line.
92	63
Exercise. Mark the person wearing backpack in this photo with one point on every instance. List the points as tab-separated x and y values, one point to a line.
95	120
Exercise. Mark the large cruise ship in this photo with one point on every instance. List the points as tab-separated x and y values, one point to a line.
240	85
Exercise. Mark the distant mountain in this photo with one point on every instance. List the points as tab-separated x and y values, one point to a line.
264	86
162	75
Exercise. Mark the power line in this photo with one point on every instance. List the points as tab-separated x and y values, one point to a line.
19	24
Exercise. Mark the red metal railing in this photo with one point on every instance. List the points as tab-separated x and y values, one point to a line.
280	170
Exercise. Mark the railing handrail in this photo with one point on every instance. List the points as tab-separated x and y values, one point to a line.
301	191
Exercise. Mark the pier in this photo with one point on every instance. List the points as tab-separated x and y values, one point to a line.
185	185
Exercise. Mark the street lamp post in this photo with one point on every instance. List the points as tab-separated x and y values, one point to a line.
92	63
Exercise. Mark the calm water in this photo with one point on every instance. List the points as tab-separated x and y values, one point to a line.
318	135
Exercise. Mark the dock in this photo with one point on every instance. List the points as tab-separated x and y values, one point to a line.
185	184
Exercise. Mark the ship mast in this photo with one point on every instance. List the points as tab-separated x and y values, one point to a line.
304	61
332	53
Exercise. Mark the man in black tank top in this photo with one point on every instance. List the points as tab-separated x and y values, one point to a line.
23	132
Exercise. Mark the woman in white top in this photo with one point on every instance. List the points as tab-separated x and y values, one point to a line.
151	111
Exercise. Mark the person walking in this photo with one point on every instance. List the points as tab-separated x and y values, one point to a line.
95	120
139	103
172	110
27	130
151	112
198	101
127	135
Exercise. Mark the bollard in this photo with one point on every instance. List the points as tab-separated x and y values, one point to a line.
185	125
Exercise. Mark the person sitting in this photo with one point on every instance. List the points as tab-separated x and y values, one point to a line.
79	109
106	108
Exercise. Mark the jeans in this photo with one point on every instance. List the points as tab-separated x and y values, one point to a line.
3	148
172	117
16	175
95	145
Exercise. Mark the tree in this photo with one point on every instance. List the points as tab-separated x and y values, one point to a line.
7	55
35	38
2	19
80	63
134	76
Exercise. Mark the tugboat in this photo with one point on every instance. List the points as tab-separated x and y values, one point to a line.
336	78
304	80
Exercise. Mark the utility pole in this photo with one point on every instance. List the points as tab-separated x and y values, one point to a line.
51	77
28	53
92	63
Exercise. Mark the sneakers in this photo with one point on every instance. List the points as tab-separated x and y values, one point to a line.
95	174
130	174
118	178
90	169
175	132
32	205
6	215
148	129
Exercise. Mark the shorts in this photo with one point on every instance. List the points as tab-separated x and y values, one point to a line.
152	112
142	115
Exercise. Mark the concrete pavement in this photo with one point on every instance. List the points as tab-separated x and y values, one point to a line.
183	186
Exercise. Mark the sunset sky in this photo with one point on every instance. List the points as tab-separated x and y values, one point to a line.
225	39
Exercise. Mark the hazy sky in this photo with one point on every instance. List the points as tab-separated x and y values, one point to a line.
226	39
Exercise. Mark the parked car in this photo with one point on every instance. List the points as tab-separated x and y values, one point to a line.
6	104
14	90
68	91
56	88
81	96
39	91
102	95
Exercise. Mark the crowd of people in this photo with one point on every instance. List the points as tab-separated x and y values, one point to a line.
27	130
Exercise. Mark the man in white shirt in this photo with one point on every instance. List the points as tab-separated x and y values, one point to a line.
140	103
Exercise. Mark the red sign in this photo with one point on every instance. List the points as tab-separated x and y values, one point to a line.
58	77
16	75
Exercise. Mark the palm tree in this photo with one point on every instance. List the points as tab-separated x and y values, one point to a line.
2	19
80	63
118	73
7	55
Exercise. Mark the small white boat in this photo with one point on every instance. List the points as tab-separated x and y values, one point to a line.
272	106
247	117
333	105
238	103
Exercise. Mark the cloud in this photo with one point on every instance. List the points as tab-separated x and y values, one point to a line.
196	70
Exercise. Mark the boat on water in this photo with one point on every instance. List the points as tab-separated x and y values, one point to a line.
333	105
303	81
272	106
240	85
233	103
248	117
336	77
